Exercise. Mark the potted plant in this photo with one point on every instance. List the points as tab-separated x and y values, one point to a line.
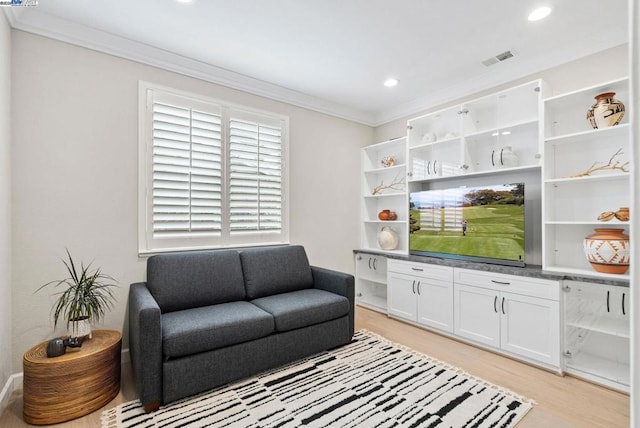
86	298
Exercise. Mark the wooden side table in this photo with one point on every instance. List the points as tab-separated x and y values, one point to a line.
74	384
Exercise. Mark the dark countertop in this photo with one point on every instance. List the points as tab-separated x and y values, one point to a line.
532	271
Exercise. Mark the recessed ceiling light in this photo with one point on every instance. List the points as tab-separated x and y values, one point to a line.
184	1
539	13
391	82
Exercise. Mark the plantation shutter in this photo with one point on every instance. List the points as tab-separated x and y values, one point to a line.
255	175
212	174
187	171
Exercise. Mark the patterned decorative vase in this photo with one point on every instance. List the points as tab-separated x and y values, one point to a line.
608	250
388	238
607	111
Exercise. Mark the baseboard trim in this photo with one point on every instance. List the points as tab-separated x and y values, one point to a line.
14	383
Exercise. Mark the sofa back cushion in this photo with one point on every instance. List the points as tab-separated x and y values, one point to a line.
189	280
275	270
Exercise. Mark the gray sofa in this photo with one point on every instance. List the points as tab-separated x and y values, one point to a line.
203	319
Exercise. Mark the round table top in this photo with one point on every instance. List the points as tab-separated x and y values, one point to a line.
101	340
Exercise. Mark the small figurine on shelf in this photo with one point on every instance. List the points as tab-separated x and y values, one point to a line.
388	161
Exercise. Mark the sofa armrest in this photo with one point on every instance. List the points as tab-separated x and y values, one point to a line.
145	344
339	283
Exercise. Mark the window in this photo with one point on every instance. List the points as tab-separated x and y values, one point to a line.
212	174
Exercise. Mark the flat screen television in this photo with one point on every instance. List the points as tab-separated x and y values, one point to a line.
479	223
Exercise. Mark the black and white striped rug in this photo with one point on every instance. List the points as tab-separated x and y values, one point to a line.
368	383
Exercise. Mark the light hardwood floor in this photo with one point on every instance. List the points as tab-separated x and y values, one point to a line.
561	401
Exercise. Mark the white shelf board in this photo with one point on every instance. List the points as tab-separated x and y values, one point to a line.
396	142
585	272
601	224
519	123
606	325
591	89
378	250
492	172
385	195
378	281
397	168
590	178
373	302
578	136
423	146
589	364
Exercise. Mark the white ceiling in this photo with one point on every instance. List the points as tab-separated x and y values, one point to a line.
333	55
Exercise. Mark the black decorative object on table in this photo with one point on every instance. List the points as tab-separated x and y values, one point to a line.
58	346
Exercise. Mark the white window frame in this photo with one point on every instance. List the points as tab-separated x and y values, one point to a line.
147	243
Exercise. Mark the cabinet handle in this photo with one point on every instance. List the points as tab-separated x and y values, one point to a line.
492	154
417	269
413	286
495	304
434	168
369	262
375	259
608	301
503	306
500	282
623	312
429	168
419	288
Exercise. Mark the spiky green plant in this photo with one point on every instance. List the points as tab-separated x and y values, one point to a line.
88	294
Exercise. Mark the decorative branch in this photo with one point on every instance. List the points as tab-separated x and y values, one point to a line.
396	184
611	165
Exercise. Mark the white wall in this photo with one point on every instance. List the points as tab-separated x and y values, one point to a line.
75	174
6	368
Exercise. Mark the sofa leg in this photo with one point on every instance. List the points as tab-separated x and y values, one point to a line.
152	407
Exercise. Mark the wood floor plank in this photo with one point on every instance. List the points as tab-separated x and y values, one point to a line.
561	402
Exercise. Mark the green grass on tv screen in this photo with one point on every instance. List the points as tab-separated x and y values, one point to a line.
494	231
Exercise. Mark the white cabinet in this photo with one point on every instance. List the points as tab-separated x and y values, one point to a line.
597	331
421	293
371	281
493	134
384	187
571	199
515	314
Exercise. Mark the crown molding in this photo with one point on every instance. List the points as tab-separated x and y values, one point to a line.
60	29
70	32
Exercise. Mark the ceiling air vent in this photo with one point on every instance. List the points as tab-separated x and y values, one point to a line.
498	58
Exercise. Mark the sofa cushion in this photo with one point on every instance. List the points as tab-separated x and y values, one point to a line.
303	308
211	327
275	270
188	280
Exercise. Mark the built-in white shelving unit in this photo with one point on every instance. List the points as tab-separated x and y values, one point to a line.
572	203
375	174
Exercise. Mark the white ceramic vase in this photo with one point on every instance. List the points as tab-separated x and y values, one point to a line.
388	238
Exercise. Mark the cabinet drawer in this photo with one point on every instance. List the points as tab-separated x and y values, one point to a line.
535	287
423	270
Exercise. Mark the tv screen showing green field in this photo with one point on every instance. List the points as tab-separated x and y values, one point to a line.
484	222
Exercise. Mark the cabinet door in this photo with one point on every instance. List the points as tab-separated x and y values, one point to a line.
530	327
435	304
476	314
401	296
371	268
